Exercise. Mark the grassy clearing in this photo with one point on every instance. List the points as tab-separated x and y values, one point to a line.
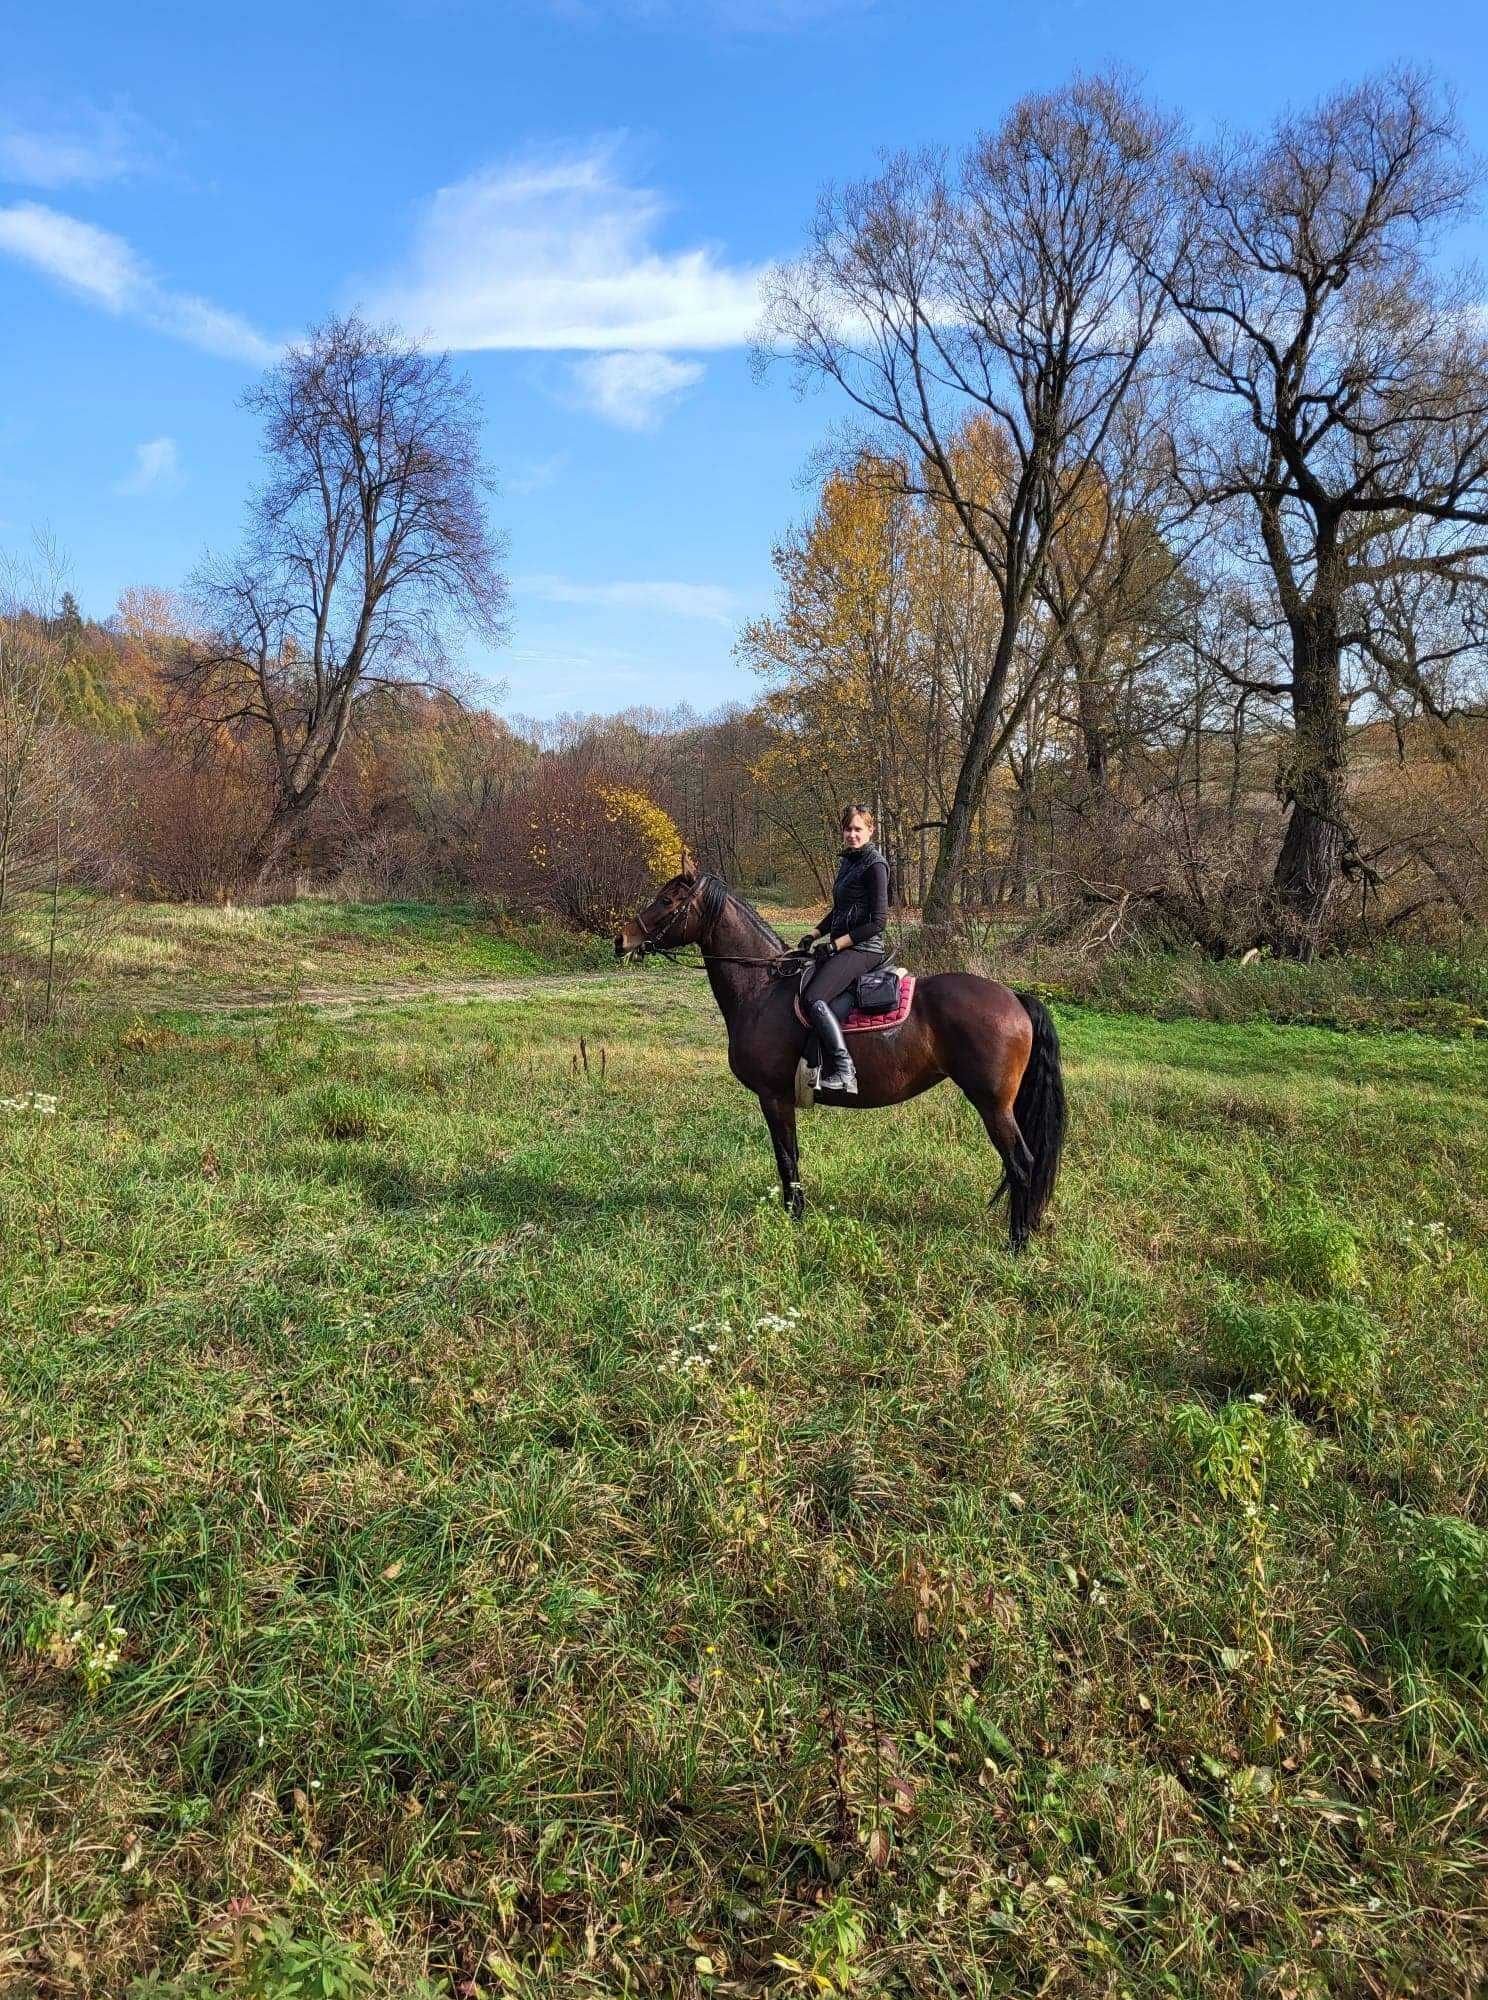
456	1537
153	953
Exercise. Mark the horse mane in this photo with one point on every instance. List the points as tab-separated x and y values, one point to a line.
715	898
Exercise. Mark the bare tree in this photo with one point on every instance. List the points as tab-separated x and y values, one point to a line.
1344	388
369	541
1008	289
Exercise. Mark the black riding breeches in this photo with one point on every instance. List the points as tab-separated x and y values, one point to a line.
831	979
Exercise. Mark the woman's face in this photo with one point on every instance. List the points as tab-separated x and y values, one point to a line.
857	832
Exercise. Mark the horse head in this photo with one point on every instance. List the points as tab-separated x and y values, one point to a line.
673	917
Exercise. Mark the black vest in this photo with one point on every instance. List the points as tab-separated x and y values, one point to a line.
854	893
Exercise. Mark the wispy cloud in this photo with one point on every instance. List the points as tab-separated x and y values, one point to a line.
633	390
558	251
82	150
157	468
708	601
102	268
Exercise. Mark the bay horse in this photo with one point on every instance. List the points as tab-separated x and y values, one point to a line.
998	1046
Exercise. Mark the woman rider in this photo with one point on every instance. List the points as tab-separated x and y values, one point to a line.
847	942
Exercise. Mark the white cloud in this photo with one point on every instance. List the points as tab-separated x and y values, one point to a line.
157	468
557	252
94	146
708	601
102	268
633	390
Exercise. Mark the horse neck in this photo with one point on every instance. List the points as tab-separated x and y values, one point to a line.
734	937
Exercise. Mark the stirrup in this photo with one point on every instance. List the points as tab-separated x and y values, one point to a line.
844	1079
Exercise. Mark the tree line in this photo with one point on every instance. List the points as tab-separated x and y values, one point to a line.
1145	584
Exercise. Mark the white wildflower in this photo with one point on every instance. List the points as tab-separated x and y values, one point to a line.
42	1102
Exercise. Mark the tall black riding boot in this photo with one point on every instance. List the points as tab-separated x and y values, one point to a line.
837	1070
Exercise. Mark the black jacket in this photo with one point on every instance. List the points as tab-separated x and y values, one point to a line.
860	897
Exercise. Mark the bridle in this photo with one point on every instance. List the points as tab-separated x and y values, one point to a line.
657	943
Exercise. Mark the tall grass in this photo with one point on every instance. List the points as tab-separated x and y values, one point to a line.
1440	988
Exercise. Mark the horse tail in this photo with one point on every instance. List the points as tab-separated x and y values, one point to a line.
1040	1111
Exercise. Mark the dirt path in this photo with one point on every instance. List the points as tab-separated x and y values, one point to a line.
349	999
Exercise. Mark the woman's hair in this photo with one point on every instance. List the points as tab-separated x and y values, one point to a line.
857	811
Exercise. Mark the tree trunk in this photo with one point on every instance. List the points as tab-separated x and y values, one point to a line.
1092	729
1309	869
971	782
284	825
1025	813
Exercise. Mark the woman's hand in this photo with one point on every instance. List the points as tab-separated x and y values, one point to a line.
823	947
808	943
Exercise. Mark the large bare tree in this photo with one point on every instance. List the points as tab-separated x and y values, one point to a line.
1021	285
368	543
1343	386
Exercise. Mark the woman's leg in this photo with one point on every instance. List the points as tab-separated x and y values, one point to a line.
839	972
826	984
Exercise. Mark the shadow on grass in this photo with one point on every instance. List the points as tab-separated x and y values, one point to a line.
515	1193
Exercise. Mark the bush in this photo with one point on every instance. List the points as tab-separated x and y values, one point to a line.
1324	1351
581	847
1311	1248
343	1111
180	826
1244	1453
1445	1587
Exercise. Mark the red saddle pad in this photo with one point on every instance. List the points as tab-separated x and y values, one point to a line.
862	1024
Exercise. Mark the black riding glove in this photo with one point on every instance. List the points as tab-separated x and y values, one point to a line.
823	947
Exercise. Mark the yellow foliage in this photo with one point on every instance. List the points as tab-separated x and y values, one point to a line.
653	829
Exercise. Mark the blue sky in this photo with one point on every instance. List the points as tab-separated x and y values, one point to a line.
579	196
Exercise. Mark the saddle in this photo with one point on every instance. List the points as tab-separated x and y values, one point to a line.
891	984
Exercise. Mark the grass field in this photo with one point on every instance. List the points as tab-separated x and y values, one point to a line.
456	1537
157	955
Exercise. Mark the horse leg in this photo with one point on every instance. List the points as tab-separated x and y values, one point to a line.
780	1116
1012	1148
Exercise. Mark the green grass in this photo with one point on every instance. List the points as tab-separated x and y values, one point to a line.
543	1570
161	952
1434	989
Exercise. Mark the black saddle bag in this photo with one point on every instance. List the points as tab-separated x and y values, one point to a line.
877	992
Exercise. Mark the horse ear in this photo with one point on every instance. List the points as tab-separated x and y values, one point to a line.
688	869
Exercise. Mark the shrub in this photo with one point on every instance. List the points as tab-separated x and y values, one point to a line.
1245	1454
343	1111
1316	1251
581	847
1324	1350
1445	1564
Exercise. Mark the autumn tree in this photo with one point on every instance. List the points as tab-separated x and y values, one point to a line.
1005	285
841	655
34	636
368	544
1345	387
